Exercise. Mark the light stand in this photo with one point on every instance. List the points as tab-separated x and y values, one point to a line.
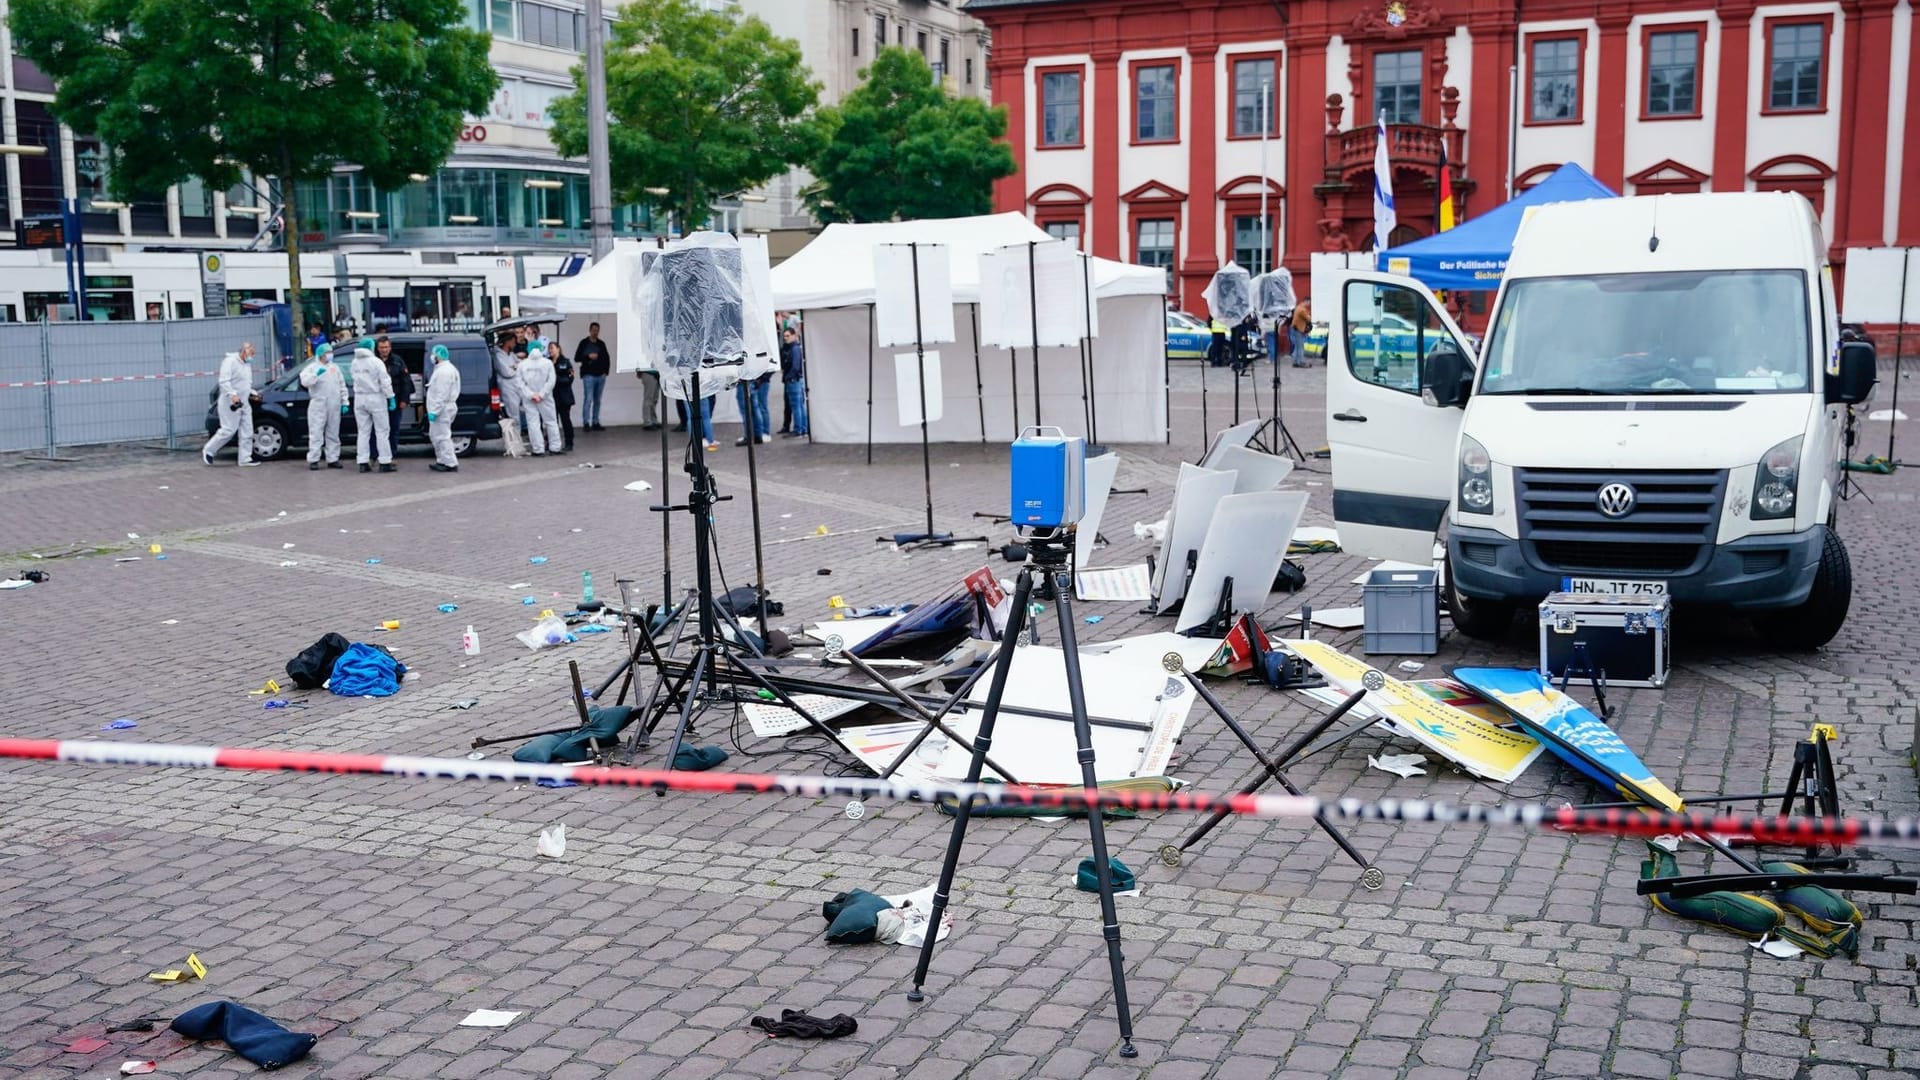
1033	313
931	537
700	683
1092	387
1047	563
1272	436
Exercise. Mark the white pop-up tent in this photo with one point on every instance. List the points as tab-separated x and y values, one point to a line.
850	379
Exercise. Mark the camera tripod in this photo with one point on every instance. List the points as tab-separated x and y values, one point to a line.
1272	436
701	682
1045	572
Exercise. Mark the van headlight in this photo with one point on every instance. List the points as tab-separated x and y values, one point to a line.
1476	477
1776	481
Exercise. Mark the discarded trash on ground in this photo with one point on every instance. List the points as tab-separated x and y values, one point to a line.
1401	765
448	609
494	1018
137	1068
552	842
465	703
795	1024
639	485
538	560
121	724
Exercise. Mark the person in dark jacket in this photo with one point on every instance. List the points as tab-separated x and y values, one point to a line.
402	383
594	362
793	382
563	368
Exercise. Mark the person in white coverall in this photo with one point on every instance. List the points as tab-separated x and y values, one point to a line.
443	401
236	408
506	376
372	404
537	379
326	400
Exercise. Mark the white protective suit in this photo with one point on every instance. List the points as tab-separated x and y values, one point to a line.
443	402
236	413
326	399
506	375
372	389
537	380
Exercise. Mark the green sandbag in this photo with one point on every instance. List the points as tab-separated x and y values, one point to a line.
1826	912
604	723
1745	914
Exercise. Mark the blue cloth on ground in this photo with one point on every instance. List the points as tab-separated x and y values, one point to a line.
364	671
853	917
251	1035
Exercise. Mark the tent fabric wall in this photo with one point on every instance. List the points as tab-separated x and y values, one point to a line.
1128	380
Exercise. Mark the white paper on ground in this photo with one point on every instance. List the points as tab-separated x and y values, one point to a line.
1671	841
1339	618
879	745
1401	765
489	1018
1121	583
639	485
771	720
15	583
552	842
853	633
914	910
906	385
893	294
1884	415
1098	476
1785	950
1042	751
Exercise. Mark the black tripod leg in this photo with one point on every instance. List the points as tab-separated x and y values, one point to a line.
698	673
947	706
1096	824
933	720
1003	664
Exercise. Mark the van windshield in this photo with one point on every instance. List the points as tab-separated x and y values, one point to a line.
1708	332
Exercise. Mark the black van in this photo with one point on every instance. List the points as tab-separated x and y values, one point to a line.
280	417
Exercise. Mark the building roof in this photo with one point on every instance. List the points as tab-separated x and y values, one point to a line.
980	5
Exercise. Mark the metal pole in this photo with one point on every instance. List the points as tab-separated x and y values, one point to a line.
166	371
1266	254
1513	122
870	347
979	383
1033	312
46	381
599	183
1899	342
1093	380
920	363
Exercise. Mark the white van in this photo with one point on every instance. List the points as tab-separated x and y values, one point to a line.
1657	408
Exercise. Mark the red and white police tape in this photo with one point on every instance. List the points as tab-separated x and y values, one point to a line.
106	379
1765	829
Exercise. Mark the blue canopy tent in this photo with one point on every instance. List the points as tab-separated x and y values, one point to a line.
1473	255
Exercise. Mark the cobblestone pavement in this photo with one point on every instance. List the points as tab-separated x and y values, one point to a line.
377	912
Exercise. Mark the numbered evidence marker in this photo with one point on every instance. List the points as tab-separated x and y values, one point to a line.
1462	738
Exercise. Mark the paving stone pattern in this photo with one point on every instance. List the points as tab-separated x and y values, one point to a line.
376	912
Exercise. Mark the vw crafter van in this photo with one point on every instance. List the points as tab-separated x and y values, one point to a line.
1658	407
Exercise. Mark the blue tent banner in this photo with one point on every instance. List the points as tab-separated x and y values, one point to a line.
1473	255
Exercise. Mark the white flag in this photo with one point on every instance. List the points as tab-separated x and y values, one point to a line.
1384	219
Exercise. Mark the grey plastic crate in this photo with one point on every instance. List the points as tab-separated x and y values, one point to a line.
1402	610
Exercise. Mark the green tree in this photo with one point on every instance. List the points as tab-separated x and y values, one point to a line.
901	147
702	105
283	88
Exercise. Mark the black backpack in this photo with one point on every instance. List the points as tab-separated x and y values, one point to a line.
314	666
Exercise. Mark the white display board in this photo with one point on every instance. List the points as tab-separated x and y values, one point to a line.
1099	474
894	274
1033	288
1258	471
1246	541
1874	277
908	375
1195	497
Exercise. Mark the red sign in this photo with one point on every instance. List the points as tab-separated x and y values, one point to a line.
474	133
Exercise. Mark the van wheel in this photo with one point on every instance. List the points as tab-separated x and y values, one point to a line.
462	445
269	440
1819	618
1486	620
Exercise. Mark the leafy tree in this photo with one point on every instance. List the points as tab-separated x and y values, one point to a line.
702	106
901	147
284	88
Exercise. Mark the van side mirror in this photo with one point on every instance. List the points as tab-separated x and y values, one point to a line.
1446	378
1859	370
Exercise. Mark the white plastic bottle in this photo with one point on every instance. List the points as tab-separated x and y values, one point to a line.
470	641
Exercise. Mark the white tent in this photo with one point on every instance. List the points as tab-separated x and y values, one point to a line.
850	382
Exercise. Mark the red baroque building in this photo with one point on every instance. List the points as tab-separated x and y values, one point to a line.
1137	123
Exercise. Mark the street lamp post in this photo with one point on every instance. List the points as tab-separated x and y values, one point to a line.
599	181
1266	228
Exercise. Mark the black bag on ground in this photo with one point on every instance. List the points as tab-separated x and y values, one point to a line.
314	666
743	602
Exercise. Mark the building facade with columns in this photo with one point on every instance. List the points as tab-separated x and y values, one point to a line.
1138	124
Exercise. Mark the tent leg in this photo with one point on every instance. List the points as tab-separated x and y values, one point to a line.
870	347
979	383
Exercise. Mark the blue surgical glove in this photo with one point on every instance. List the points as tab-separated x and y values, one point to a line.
390	405
345	409
321	370
431	417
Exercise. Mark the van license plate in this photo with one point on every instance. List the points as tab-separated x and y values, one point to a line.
1616	587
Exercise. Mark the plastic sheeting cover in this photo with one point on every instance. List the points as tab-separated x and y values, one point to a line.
1273	295
1229	295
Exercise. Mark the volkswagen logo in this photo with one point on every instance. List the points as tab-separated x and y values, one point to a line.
1615	500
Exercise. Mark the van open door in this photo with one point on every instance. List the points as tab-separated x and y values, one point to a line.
1394	465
